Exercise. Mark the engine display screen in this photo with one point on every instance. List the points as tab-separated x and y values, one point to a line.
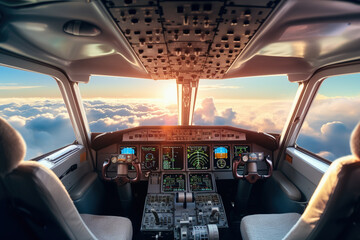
221	157
200	182
150	157
239	149
198	157
174	182
173	157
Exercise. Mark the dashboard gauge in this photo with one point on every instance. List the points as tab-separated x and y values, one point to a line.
221	163
245	158
150	157
150	162
253	157
114	159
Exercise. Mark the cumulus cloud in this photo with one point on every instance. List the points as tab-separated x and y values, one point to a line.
328	126
326	155
331	141
44	124
265	115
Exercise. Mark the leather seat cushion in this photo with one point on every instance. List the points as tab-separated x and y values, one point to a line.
267	226
108	227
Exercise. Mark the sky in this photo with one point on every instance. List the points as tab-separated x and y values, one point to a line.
32	103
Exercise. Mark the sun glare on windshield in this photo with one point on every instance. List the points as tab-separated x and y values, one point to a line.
170	94
257	103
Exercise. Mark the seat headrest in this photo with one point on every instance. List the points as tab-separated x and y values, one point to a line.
355	141
12	147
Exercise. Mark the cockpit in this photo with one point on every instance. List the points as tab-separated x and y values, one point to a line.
182	166
141	119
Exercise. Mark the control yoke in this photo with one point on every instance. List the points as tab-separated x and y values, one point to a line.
122	161
250	169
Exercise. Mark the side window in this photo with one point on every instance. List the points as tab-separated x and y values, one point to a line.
32	104
333	115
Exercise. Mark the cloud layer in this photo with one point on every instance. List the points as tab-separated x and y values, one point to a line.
328	126
110	115
45	124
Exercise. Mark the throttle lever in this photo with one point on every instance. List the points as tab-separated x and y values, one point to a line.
215	214
156	216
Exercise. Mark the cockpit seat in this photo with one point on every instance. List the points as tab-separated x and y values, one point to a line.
333	211
42	202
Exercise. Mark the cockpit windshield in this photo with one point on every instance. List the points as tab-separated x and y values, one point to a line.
256	103
113	103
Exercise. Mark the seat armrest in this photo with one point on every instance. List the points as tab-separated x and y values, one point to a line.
286	186
78	190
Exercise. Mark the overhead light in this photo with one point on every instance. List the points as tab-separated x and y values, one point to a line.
81	28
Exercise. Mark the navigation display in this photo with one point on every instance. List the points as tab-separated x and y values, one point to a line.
150	157
198	157
200	182
173	157
239	149
174	182
221	157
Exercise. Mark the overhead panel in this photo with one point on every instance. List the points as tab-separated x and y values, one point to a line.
188	40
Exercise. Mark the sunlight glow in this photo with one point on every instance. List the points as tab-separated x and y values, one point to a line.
170	94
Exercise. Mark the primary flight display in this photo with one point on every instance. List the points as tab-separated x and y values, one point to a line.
221	157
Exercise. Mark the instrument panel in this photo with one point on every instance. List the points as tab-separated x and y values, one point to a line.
171	149
166	134
187	157
191	182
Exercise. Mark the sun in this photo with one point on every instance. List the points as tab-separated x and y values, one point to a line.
170	94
